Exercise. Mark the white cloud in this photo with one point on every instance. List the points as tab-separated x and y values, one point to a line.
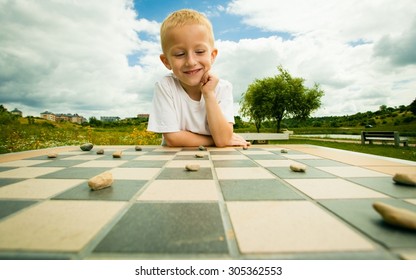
349	20
354	76
71	56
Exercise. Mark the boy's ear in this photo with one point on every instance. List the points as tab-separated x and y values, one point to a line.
165	61
214	53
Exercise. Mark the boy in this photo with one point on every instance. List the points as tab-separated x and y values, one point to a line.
192	107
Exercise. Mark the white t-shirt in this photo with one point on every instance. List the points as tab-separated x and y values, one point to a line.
173	110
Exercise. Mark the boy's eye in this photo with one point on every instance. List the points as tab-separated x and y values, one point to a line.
200	51
179	54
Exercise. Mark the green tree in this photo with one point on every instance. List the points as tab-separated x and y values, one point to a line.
94	122
412	107
278	97
255	102
383	108
6	117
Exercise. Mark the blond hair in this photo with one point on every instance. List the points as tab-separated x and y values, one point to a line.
181	18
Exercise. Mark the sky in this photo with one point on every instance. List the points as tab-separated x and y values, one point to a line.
101	58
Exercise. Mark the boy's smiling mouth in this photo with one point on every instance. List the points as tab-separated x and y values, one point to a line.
192	72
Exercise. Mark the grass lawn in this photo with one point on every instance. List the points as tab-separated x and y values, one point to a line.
407	153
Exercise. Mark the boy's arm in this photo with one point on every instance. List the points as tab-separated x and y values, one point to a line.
221	129
190	139
187	139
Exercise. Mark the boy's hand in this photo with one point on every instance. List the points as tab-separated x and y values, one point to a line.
237	140
208	83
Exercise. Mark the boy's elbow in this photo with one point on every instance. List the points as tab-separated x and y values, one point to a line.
223	142
169	140
221	145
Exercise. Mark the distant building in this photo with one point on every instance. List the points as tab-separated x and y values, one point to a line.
16	112
109	119
63	117
48	116
78	119
146	116
73	118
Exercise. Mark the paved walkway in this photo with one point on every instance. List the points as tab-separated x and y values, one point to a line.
241	204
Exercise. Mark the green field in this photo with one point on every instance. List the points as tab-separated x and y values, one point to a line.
21	136
18	137
386	150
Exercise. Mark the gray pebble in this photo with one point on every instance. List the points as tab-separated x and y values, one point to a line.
86	147
298	167
117	154
192	167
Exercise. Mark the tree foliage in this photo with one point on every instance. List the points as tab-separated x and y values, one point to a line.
6	117
412	107
275	98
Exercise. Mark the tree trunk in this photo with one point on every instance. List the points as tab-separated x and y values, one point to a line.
278	121
258	125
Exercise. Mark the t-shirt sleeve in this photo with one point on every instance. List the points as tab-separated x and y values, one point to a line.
163	117
226	102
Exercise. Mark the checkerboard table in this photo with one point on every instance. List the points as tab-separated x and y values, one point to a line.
240	204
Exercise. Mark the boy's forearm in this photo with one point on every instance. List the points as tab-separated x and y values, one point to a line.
187	139
221	129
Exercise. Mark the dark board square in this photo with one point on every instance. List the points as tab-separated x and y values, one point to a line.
234	163
8	207
257	190
109	156
60	163
387	186
182	174
265	157
190	157
287	173
321	162
161	153
167	228
360	213
75	173
6	168
9	181
143	164
225	153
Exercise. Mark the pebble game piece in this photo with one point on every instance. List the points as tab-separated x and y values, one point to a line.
199	155
52	155
138	148
101	181
283	151
192	167
117	154
100	152
396	216
202	148
86	147
405	179
297	167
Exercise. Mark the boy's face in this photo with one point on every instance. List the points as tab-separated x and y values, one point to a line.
189	54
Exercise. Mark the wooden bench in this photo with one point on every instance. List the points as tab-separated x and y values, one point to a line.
382	136
263	138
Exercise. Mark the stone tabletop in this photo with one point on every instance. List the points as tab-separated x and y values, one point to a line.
239	204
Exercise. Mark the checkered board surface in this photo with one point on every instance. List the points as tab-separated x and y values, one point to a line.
240	204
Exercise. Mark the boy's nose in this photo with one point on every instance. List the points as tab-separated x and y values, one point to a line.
190	60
